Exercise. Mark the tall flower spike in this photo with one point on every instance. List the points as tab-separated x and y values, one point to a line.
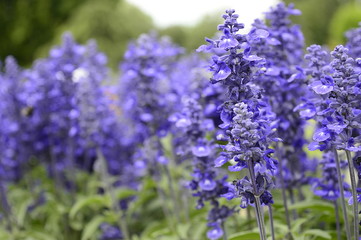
14	133
144	87
327	186
338	116
14	130
53	96
284	85
206	183
353	42
247	119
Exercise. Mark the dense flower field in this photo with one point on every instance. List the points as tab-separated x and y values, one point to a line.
217	144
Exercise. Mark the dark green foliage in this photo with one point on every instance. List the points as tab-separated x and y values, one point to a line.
75	216
27	24
111	23
191	37
315	18
345	18
29	27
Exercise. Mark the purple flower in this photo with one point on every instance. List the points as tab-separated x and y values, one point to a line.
206	184
14	128
321	135
246	117
327	186
110	232
353	41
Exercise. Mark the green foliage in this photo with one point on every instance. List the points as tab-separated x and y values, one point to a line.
315	18
244	236
32	27
25	25
345	18
191	37
79	217
112	23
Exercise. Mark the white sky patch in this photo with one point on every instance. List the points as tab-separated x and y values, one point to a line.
188	12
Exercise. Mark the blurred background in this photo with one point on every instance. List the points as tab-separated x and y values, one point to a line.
30	27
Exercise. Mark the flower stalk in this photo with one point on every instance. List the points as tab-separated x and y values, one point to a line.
343	202
354	195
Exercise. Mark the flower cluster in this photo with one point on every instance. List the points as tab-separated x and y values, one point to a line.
13	123
205	184
327	186
144	87
336	102
247	120
284	85
165	119
353	42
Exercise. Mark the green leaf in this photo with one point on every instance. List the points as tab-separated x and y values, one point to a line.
244	236
21	214
315	204
154	227
296	225
92	227
98	200
317	233
40	235
124	193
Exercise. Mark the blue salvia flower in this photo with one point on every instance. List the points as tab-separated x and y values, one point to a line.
206	184
320	83
54	97
248	146
338	111
51	90
145	84
146	95
14	133
110	232
14	137
247	119
353	42
284	85
357	166
338	116
327	186
189	80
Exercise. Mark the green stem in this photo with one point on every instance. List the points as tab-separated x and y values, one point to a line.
109	189
249	219
172	193
337	220
5	207
258	206
354	195
284	198
262	229
343	204
271	221
292	198
224	231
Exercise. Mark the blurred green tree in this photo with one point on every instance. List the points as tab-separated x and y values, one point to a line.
315	18
112	23
27	24
191	37
345	18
